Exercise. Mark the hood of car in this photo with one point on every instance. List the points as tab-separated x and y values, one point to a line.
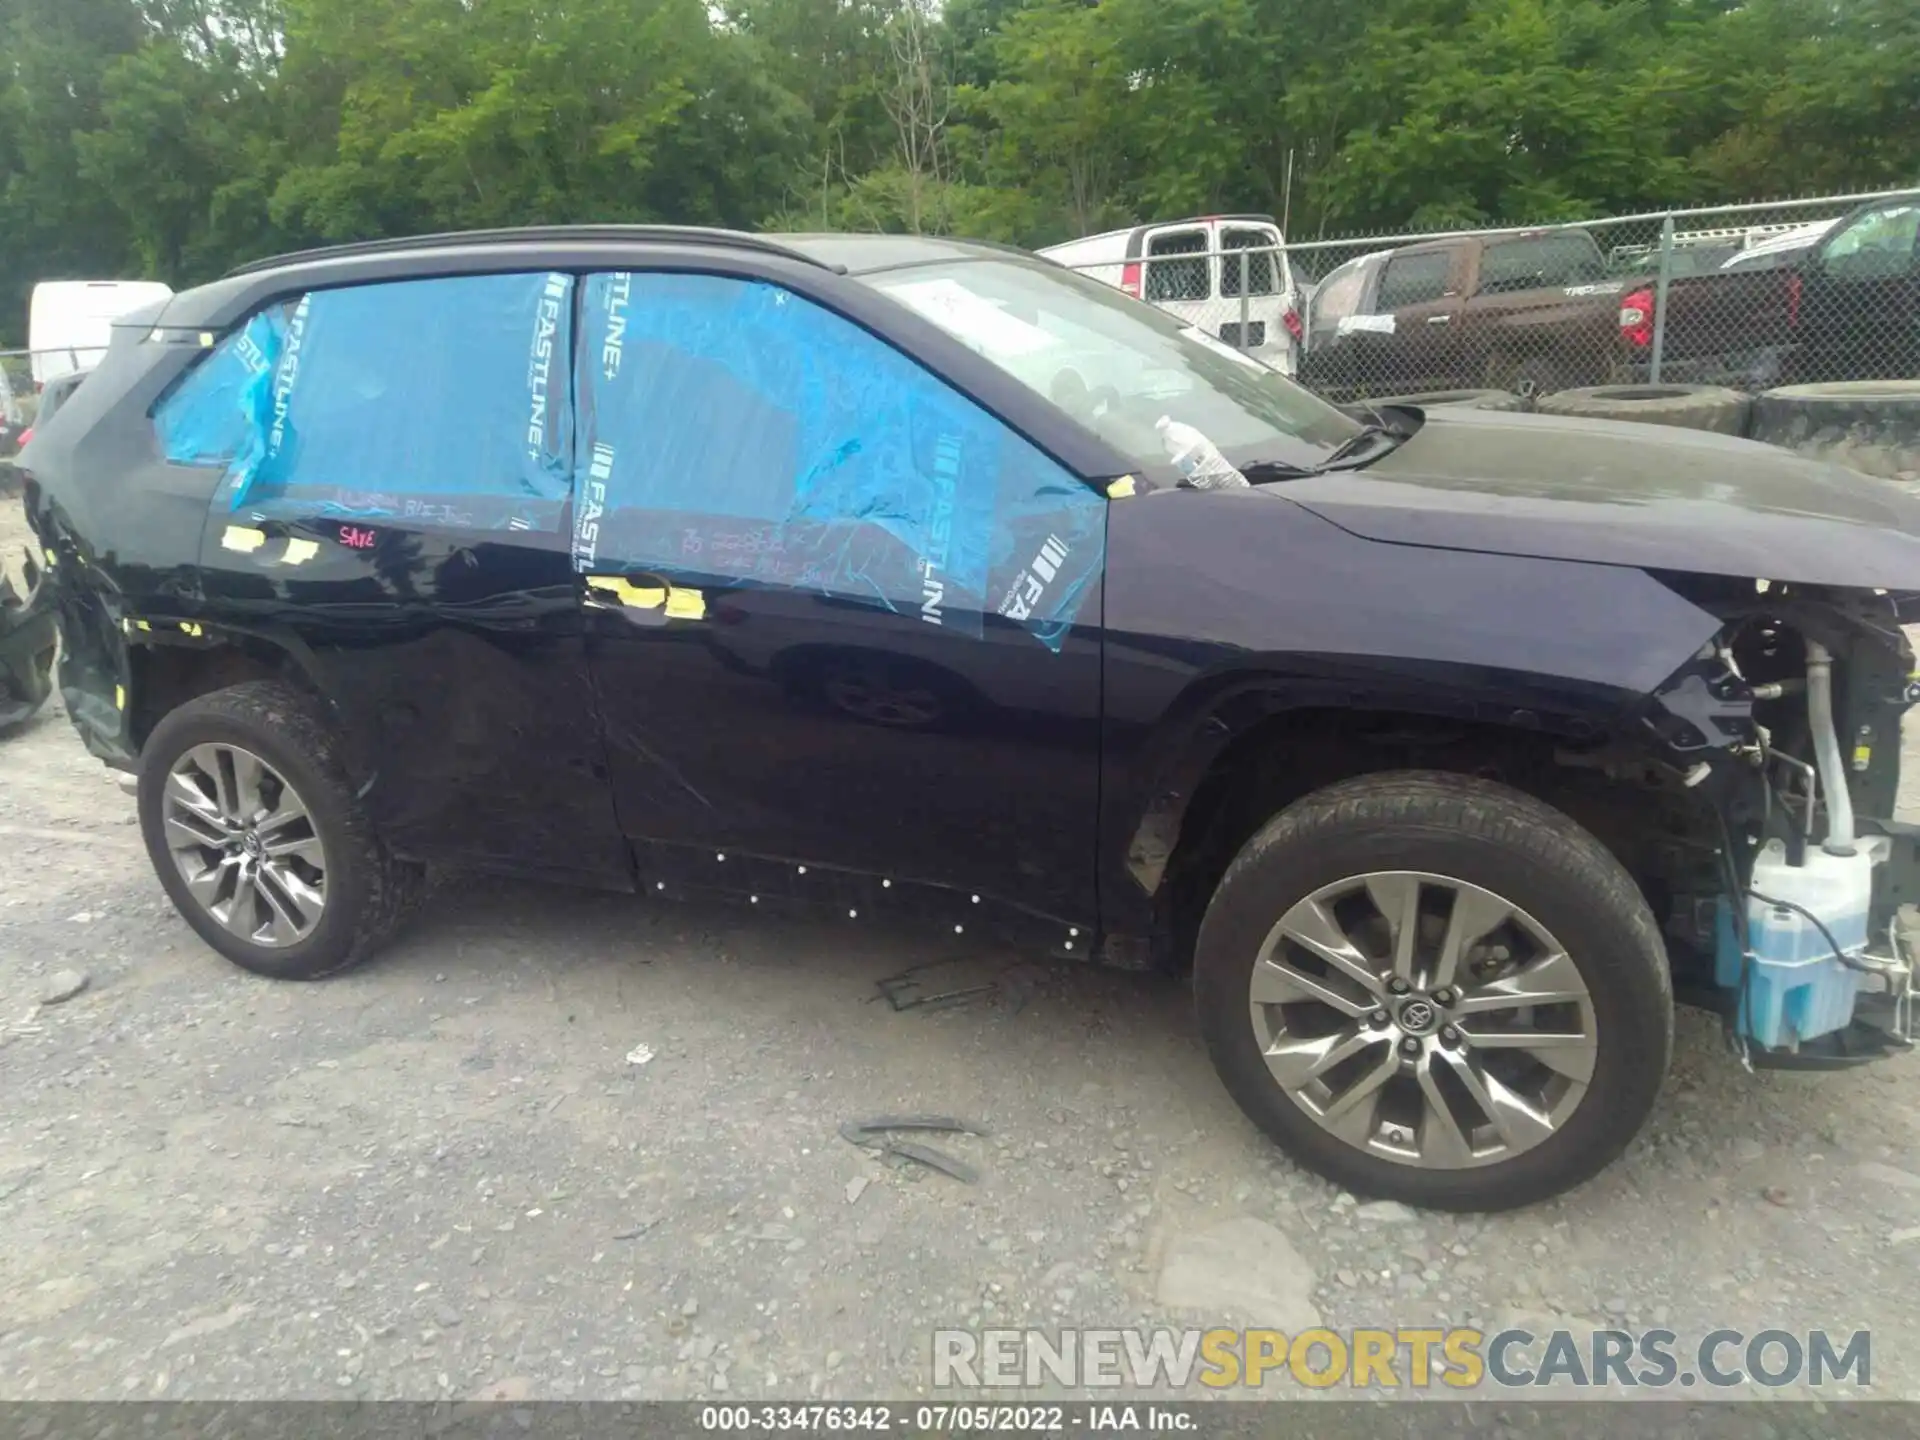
1652	496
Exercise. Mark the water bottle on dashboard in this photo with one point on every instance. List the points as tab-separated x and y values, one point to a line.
1198	459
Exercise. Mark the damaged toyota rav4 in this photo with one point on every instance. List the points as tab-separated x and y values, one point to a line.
880	574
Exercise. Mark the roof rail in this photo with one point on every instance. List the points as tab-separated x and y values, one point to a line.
674	234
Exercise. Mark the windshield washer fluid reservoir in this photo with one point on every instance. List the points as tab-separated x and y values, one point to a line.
1796	988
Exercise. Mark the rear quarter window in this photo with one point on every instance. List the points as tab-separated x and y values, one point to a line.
1540	262
203	419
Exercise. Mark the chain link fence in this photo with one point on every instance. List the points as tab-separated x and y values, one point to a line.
1747	297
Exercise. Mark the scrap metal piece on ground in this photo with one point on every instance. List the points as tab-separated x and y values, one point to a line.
902	991
872	1135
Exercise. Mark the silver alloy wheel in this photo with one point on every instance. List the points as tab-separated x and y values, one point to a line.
245	844
1423	1019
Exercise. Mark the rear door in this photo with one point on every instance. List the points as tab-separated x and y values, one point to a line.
1252	254
1179	274
397	466
1860	299
1543	315
1418	351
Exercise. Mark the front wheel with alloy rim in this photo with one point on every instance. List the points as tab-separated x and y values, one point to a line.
260	839
1436	989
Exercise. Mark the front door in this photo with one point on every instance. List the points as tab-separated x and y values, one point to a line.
1422	349
1860	299
842	622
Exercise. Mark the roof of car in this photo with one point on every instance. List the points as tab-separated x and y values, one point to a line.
854	254
562	247
864	254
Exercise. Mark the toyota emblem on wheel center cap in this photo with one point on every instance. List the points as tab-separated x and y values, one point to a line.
1417	1017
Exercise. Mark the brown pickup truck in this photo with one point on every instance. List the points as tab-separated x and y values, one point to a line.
1524	312
1537	311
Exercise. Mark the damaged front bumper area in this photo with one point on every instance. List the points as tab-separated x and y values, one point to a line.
1803	928
28	639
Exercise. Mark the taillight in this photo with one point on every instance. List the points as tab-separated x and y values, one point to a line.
26	435
1130	279
1636	318
1793	300
1292	321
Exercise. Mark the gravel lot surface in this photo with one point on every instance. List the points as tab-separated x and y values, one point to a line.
570	1145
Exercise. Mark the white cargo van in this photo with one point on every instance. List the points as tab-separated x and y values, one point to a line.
1188	268
70	321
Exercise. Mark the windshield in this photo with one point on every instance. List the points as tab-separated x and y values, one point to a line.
1116	365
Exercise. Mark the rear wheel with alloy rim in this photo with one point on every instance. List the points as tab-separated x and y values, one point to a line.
244	843
1435	988
260	838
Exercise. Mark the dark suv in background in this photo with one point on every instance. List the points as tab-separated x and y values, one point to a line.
856	573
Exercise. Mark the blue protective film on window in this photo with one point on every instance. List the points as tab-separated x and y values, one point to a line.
205	419
733	429
436	401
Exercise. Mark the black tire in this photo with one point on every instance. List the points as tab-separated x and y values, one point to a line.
1467	399
1693	407
370	892
1491	836
1872	425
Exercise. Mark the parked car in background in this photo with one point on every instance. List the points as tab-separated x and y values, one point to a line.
69	321
1525	312
852	574
1856	298
1830	301
1335	303
1693	254
1782	250
1188	269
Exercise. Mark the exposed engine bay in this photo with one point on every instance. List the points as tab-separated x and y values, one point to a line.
1801	925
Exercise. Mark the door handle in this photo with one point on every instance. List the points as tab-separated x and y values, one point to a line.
1439	319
